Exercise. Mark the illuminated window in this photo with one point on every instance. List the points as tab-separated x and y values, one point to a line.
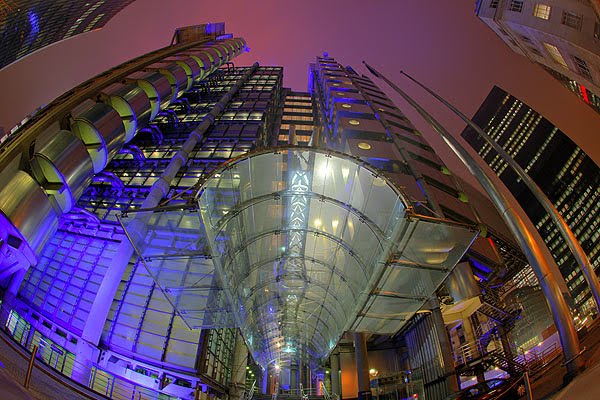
582	67
515	5
542	11
555	54
571	19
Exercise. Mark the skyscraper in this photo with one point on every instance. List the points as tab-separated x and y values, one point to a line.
153	236
27	26
560	35
569	178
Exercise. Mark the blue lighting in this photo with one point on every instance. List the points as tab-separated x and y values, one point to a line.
34	22
480	266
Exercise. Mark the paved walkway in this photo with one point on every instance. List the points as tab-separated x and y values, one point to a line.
11	390
583	387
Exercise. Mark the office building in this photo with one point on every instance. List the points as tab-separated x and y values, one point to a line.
569	178
29	25
186	227
562	36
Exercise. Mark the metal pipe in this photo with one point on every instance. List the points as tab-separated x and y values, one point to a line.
30	366
566	232
531	249
137	226
362	365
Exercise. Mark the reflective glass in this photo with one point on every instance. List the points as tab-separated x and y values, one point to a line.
297	246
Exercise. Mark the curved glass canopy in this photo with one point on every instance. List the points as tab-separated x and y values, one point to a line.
303	238
296	246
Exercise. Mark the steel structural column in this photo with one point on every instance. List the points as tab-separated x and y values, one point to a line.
580	256
531	249
362	366
238	369
111	280
445	347
334	360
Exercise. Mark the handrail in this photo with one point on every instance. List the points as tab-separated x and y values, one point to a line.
325	392
64	363
250	394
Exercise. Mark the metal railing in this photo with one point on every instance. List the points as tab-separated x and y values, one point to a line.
57	358
248	395
326	394
534	360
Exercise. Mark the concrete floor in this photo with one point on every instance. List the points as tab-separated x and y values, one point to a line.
10	389
546	386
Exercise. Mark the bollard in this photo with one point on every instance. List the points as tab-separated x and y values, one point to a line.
30	367
528	386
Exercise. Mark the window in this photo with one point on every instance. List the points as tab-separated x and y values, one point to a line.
515	5
542	11
555	54
571	19
582	67
494	3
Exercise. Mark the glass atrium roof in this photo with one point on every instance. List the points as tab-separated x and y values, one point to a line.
296	246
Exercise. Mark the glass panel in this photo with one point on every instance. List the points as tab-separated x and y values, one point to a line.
295	247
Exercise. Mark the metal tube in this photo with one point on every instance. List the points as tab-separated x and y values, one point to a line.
566	232
110	281
30	367
334	359
362	365
531	249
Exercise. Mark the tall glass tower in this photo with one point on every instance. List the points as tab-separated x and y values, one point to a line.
565	173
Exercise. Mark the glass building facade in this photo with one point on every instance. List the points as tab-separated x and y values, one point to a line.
186	228
569	178
28	26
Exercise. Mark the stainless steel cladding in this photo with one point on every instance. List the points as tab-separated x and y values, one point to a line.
27	217
63	166
101	129
132	104
461	284
203	61
176	76
190	66
156	86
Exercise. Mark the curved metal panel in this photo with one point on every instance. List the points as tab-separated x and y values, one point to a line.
215	57
157	88
175	74
26	214
101	129
132	104
461	283
203	60
223	50
191	67
233	47
64	160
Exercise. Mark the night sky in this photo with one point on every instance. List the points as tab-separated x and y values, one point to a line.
440	42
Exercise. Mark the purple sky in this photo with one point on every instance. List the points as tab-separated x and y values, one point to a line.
440	42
